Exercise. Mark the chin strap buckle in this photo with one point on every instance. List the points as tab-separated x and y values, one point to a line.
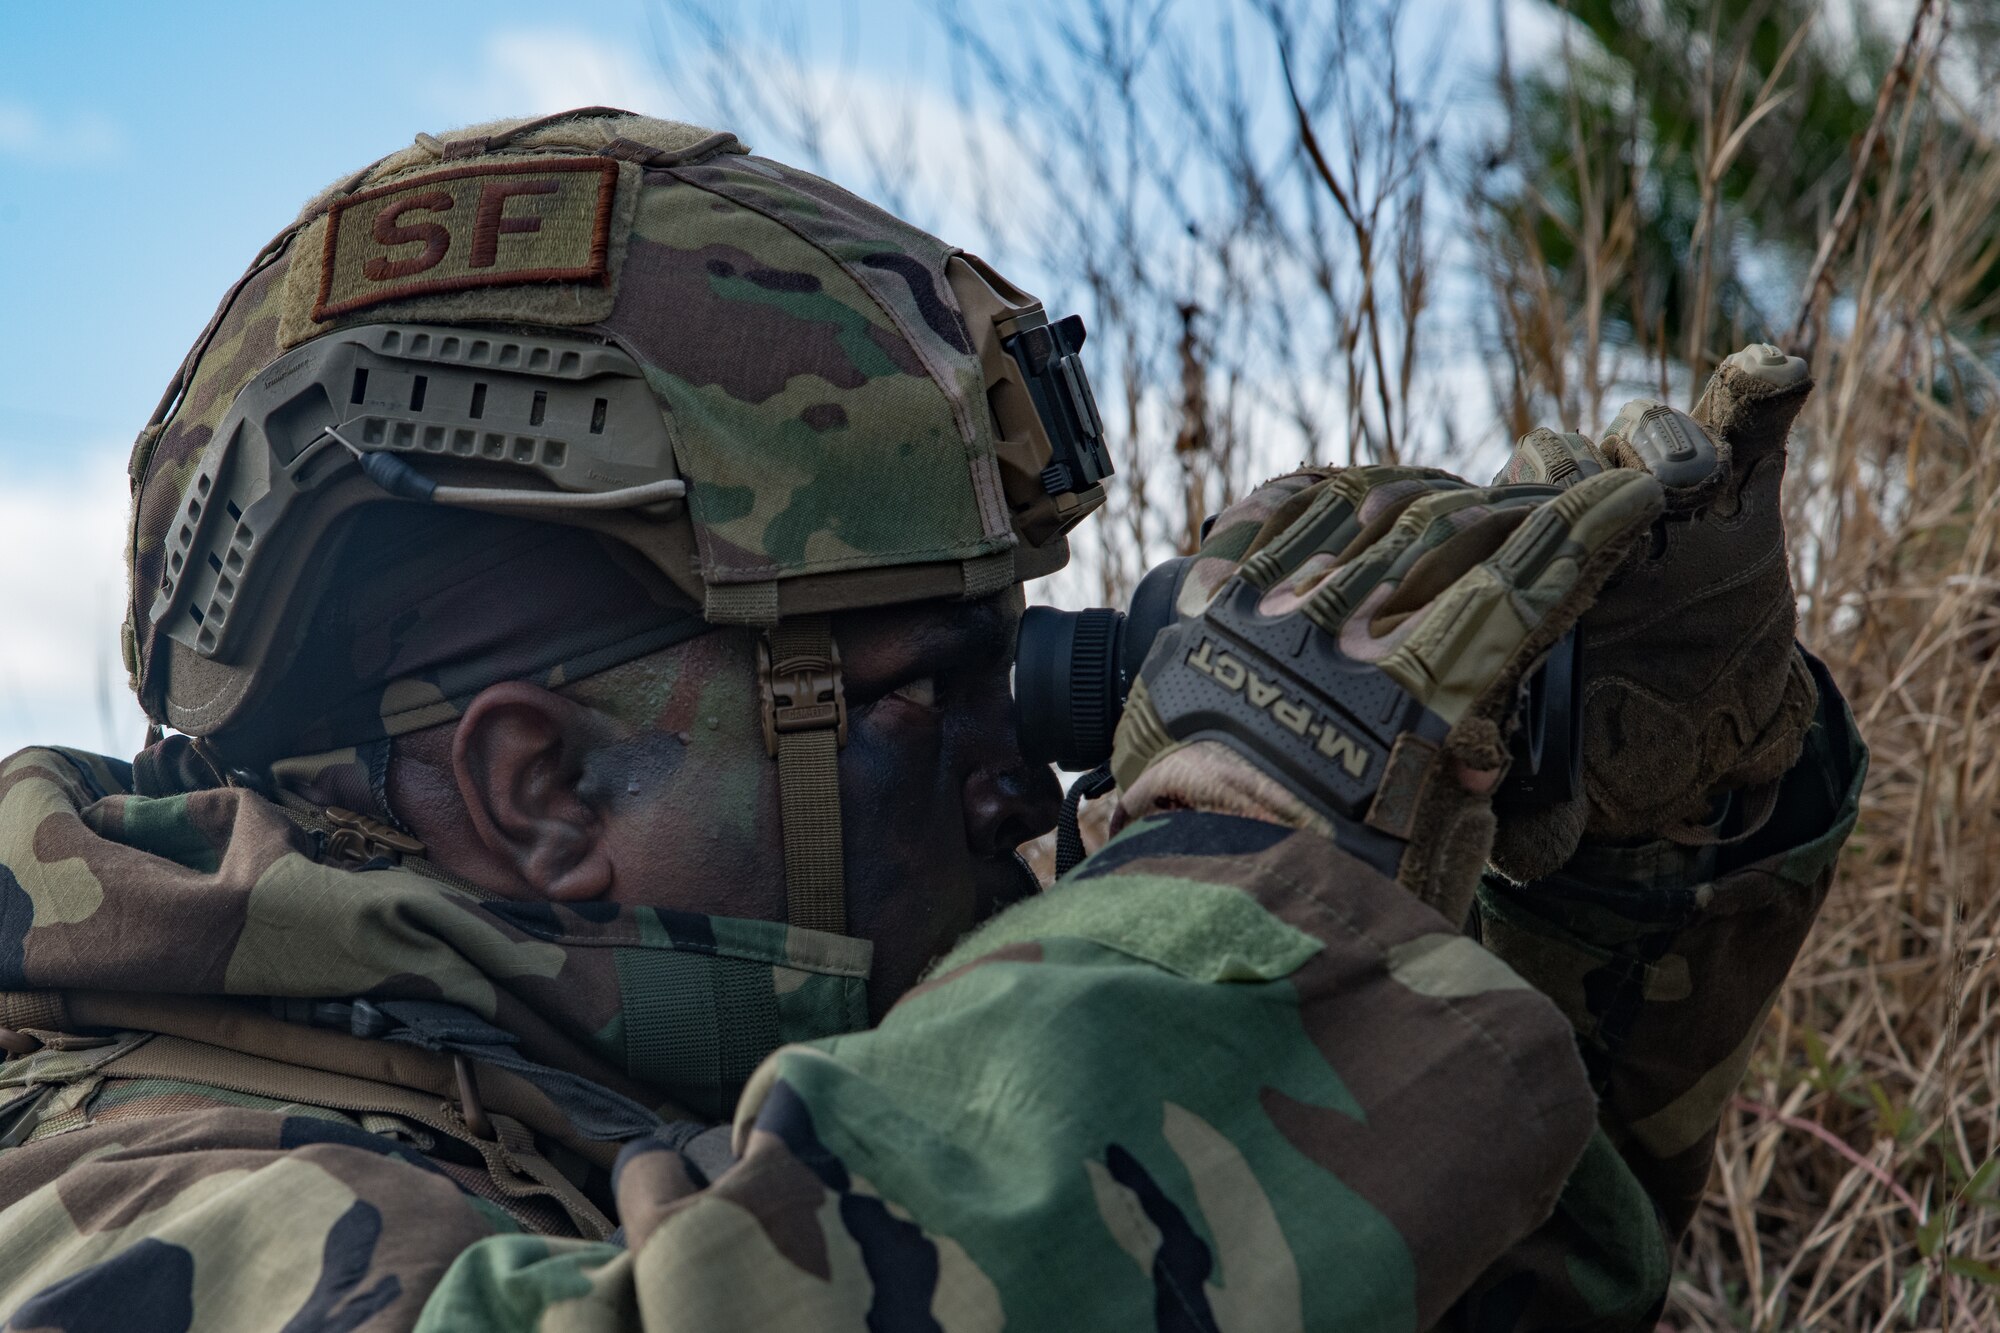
805	724
799	680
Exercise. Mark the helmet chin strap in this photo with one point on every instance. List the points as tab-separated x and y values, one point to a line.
805	724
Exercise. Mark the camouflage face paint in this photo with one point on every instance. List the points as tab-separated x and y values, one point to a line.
935	793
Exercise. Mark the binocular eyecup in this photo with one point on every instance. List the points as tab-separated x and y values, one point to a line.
1074	669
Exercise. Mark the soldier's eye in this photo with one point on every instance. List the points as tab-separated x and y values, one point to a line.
921	692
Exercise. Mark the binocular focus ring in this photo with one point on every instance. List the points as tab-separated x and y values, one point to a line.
1067	691
1093	715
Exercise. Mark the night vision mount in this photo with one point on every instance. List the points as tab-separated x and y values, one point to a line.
1047	436
1048	357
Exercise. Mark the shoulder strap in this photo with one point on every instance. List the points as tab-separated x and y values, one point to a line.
238	1027
516	1169
225	1045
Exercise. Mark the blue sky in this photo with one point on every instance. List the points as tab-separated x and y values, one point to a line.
147	151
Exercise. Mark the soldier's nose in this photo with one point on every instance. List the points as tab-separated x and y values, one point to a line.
1006	807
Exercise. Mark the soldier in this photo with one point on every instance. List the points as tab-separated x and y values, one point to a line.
580	562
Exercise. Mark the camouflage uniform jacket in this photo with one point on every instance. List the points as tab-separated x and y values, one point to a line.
1221	1078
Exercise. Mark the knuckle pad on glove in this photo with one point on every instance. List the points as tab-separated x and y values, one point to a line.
1367	659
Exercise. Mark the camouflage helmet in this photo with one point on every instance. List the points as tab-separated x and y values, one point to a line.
785	400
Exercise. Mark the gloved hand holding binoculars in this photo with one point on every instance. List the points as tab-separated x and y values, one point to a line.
1438	675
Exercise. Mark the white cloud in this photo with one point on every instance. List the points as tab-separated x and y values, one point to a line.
87	136
20	130
870	123
877	129
535	71
62	591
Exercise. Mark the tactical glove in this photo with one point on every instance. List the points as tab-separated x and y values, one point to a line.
1358	673
1691	684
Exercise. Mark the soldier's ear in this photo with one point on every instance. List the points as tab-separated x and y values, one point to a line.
518	757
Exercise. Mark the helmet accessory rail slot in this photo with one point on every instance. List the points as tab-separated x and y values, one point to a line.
572	413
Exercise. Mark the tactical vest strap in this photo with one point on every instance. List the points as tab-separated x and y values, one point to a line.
45	1092
239	1028
512	1163
805	724
258	1058
33	1009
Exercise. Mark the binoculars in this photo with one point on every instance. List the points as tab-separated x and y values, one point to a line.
1074	669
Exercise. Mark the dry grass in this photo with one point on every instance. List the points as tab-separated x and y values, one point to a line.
1857	1176
1856	1183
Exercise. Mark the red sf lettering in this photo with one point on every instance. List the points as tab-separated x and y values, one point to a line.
391	230
489	224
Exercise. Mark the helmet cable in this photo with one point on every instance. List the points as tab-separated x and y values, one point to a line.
398	478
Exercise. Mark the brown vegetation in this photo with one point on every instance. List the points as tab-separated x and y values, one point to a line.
1857	1184
1249	306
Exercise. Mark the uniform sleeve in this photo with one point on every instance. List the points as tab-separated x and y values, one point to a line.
1665	959
1222	1077
227	1218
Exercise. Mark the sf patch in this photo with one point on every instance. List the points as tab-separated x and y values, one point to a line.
496	225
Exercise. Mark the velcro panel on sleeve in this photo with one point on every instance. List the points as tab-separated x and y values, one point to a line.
1205	932
536	239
